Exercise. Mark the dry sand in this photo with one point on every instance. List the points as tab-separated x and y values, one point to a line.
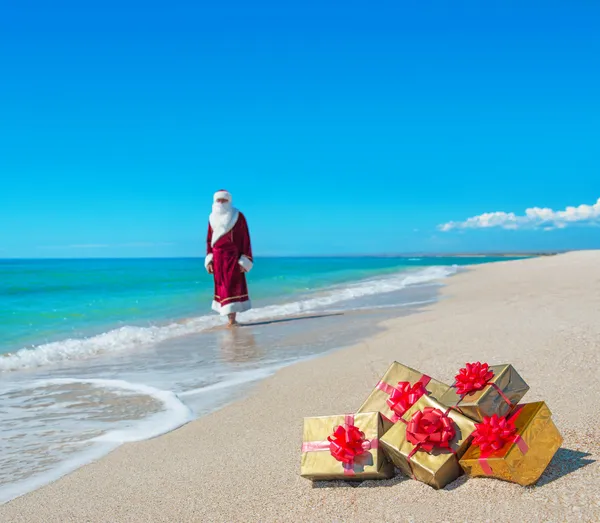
242	462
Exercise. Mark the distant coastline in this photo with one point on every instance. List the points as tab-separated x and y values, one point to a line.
490	254
523	254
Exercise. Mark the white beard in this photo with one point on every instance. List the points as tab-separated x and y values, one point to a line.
222	219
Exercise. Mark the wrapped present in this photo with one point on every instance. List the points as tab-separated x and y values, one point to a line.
344	447
480	390
398	390
517	448
427	442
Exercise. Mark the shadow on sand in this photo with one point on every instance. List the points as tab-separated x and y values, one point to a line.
295	318
457	483
564	462
369	483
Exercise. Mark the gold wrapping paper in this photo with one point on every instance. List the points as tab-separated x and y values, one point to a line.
535	426
438	467
488	401
321	465
396	373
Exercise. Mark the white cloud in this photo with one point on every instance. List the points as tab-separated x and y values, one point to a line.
534	217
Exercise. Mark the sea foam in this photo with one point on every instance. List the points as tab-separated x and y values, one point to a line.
131	337
174	413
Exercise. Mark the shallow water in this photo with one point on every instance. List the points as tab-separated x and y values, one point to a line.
65	403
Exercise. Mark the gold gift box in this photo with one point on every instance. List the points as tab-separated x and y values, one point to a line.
535	426
397	373
438	467
488	401
321	465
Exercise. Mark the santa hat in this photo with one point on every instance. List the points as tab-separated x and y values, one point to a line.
222	194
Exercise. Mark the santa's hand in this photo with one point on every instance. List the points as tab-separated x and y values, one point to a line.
242	269
210	268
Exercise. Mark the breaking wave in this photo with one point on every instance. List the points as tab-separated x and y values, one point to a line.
172	414
131	337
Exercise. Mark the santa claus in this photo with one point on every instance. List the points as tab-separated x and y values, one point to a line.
228	257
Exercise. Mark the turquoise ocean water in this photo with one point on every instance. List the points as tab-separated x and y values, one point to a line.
47	300
94	353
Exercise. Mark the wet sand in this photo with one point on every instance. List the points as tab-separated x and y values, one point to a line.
241	463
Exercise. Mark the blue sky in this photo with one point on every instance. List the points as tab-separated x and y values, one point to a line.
338	127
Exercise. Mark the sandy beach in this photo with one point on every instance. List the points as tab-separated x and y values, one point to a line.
241	463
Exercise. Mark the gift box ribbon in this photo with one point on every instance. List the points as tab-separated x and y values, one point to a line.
473	377
403	396
429	429
345	444
494	436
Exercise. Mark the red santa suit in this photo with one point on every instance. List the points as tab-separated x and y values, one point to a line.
228	249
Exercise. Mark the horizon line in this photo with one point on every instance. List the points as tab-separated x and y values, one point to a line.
508	253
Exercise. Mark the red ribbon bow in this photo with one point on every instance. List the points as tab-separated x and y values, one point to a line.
346	442
472	377
404	396
430	428
493	433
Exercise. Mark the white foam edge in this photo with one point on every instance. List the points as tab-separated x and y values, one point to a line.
248	376
392	306
145	429
175	415
241	378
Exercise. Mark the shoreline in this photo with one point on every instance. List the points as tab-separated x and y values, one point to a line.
192	473
23	357
178	412
181	406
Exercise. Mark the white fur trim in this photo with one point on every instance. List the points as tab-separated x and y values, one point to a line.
219	232
236	306
246	263
208	260
222	194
